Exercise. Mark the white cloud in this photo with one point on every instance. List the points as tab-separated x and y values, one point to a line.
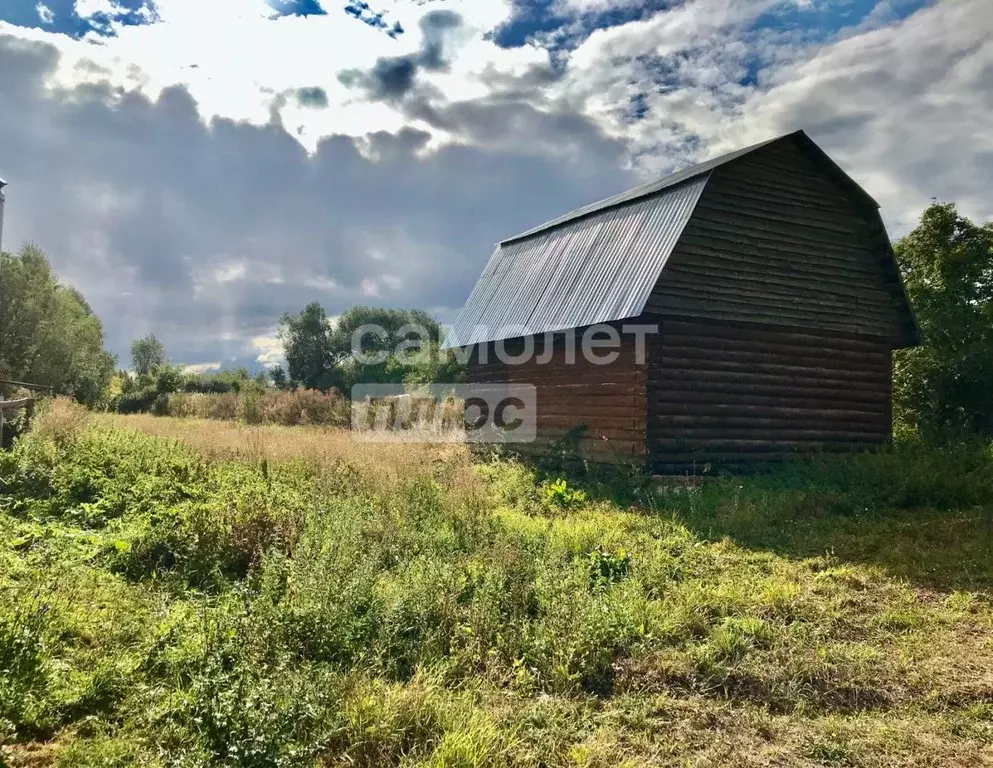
202	367
87	8
270	350
391	282
591	6
46	14
905	108
369	287
230	272
228	77
322	283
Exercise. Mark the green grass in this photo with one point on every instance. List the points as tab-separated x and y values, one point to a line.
160	605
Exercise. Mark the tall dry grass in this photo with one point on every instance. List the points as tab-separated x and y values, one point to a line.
287	408
60	419
384	463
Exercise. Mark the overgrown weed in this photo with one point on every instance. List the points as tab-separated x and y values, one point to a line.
239	597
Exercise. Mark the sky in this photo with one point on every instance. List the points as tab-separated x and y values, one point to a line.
197	168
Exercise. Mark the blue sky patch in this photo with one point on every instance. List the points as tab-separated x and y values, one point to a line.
360	10
817	21
822	20
297	7
540	18
60	16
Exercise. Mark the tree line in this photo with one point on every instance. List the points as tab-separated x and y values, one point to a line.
397	346
49	335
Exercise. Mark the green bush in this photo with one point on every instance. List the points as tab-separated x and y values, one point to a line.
140	401
559	494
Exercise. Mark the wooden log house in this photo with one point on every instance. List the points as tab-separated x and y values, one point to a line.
771	279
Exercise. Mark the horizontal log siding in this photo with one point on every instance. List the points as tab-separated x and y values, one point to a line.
608	399
774	240
732	396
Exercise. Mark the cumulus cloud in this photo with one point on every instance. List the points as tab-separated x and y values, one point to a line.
203	367
270	350
195	189
46	14
902	106
206	233
906	108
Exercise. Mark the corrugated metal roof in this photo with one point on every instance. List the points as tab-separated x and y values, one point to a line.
587	270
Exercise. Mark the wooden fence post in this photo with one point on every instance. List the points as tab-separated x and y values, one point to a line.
28	404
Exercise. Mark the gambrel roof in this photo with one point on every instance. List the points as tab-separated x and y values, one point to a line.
600	263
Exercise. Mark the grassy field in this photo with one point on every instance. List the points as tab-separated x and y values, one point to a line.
179	592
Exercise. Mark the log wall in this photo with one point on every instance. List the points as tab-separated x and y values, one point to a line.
605	404
723	396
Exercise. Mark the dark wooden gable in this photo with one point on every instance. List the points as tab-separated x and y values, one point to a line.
781	236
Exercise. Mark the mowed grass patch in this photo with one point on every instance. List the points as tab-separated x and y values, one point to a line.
210	595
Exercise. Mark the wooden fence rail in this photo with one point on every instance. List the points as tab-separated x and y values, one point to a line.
27	385
16	405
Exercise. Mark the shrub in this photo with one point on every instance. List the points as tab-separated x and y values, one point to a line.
140	401
559	494
250	406
608	568
228	521
305	406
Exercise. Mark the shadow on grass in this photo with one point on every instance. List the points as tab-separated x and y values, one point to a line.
920	513
941	549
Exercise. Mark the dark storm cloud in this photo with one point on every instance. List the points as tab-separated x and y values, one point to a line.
314	96
515	113
435	26
205	235
393	77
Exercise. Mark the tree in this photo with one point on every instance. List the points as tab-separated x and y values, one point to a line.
146	354
48	333
307	341
945	387
278	377
364	345
379	345
434	365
